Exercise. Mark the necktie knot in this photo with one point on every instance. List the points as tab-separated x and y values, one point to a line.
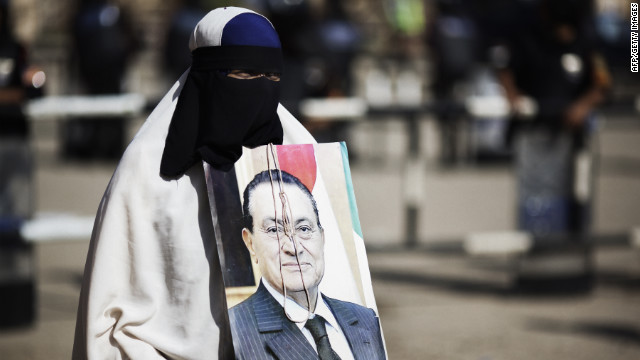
317	329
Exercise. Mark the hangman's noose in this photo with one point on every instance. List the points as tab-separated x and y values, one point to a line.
289	232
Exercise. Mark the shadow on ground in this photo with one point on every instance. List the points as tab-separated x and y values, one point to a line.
619	332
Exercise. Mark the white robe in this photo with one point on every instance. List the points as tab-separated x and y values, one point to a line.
152	286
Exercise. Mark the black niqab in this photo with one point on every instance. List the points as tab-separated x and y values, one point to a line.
217	115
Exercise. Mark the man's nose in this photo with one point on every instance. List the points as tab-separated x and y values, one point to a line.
290	244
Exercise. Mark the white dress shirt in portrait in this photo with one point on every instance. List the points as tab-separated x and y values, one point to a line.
337	339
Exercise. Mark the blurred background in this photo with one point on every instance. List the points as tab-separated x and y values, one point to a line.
494	149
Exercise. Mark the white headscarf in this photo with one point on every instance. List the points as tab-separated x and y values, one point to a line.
152	286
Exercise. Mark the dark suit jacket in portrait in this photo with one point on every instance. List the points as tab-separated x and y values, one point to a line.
261	330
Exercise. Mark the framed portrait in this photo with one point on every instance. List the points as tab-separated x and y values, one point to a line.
291	250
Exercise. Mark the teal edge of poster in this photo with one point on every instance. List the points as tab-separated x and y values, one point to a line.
355	219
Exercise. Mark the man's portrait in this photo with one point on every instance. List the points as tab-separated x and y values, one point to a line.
288	316
293	259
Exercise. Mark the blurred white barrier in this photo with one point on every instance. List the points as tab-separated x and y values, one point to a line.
497	106
46	227
504	243
333	108
85	106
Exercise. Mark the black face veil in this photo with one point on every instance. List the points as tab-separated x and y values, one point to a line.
216	115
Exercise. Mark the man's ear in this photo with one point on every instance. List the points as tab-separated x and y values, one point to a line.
247	237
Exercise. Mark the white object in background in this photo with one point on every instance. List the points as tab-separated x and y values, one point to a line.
498	243
413	181
409	88
526	108
492	106
103	105
378	88
45	227
351	108
634	238
582	180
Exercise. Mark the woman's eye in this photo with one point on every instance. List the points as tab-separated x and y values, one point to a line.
272	76
240	74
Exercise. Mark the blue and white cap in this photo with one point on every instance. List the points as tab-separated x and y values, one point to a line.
233	26
235	38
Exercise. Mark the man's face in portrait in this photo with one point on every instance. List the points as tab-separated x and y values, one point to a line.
262	242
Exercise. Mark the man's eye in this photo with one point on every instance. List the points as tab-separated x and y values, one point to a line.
274	229
304	232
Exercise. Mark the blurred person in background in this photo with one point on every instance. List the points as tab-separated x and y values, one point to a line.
556	62
554	78
16	169
103	43
453	39
319	44
177	57
13	66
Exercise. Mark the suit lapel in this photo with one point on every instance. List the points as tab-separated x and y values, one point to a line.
291	344
287	341
359	338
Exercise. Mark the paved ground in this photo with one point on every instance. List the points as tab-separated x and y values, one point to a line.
433	305
435	301
436	306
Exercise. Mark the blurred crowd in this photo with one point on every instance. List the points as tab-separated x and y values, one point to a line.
388	52
329	45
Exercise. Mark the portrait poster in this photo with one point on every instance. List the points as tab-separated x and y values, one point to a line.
302	219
